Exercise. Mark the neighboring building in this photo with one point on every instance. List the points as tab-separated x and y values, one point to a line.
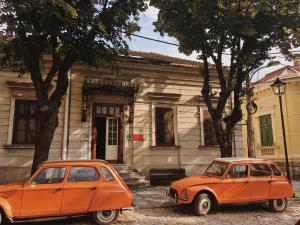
267	120
148	113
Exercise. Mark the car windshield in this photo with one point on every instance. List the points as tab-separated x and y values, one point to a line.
216	169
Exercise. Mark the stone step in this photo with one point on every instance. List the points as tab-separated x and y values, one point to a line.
133	179
131	176
139	185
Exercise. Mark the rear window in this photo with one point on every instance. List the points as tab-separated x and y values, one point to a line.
260	170
276	172
107	176
83	174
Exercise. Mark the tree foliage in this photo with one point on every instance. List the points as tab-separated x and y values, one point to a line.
245	29
85	31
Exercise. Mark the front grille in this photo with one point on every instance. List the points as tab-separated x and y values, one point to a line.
173	193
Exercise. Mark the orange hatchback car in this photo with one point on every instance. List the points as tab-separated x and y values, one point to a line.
64	188
234	181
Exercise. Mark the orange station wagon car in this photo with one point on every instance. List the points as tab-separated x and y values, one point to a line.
234	181
64	188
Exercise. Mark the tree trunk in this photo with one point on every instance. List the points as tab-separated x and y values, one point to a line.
224	139
47	122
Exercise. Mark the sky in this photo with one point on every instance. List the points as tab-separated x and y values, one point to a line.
147	29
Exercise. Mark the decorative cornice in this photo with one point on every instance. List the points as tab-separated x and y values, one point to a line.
163	96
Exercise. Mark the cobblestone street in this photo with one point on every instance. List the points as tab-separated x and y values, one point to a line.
154	208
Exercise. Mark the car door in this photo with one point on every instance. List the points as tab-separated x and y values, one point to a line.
42	195
235	185
79	189
260	181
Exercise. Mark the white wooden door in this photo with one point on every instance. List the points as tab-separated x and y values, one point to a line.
112	129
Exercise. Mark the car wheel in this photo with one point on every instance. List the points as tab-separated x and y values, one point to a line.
105	216
278	205
3	220
202	204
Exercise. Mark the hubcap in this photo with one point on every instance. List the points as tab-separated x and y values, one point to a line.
106	215
279	204
204	205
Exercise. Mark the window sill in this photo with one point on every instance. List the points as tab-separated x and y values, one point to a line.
18	146
206	147
163	147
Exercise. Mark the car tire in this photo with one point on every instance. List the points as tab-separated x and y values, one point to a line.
202	204
106	216
278	205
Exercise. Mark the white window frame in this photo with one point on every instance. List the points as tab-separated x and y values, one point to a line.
12	114
175	122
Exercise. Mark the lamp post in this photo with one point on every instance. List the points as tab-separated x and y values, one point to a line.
279	89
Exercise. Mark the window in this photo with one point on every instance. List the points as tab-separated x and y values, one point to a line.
210	137
107	110
51	175
164	126
260	170
83	174
266	131
275	170
24	122
238	171
107	176
216	169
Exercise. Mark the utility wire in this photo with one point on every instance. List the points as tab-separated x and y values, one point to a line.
177	45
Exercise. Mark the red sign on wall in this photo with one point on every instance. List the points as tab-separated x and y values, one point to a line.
135	137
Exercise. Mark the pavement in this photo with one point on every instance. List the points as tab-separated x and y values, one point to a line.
154	208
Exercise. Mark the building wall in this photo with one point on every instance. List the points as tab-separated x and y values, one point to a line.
16	161
189	152
268	103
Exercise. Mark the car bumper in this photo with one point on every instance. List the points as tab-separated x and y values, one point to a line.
175	198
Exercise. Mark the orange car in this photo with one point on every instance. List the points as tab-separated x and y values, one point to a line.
64	188
233	181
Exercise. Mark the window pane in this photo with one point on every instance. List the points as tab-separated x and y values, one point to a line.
32	124
21	108
50	176
275	170
107	176
210	137
104	110
24	122
21	123
21	136
260	170
111	110
238	171
164	126
83	174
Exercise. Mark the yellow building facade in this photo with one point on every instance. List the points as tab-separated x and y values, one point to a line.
267	126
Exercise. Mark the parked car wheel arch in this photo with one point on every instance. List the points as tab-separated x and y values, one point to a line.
5	210
211	195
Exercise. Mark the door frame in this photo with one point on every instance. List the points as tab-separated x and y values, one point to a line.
120	131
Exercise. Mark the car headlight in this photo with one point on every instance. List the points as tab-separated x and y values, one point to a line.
185	193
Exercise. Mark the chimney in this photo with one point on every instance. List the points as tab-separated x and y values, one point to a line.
296	60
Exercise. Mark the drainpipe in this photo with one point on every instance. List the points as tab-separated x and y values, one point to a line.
65	151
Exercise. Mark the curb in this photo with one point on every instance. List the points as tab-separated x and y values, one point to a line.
295	199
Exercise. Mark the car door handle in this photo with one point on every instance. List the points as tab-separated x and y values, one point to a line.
269	181
58	189
93	188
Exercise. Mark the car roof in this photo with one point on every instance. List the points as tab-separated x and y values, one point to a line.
75	162
240	159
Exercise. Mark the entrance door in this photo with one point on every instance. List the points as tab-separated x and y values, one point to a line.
112	134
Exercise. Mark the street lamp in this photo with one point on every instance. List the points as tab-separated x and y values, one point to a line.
279	88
